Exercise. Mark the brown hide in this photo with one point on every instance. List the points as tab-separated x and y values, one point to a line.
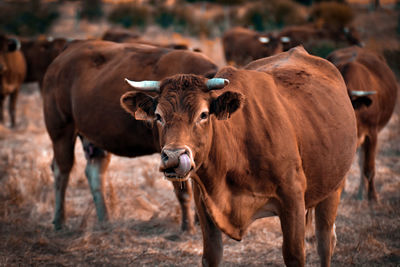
39	54
12	74
362	70
279	139
242	46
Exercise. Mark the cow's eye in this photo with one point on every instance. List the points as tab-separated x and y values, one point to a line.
158	118
204	115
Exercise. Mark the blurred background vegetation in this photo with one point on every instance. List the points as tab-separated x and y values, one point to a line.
210	18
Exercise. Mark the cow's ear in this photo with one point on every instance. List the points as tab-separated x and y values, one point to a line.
359	102
226	104
139	105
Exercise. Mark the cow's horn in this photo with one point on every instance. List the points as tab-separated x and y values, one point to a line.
149	86
263	39
217	83
362	93
285	39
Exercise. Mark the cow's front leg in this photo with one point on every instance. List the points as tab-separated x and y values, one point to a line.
212	237
292	217
183	192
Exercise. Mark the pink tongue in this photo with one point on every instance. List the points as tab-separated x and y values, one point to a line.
184	165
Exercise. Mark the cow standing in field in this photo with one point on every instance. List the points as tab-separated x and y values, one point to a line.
39	54
273	139
12	74
81	97
242	46
372	88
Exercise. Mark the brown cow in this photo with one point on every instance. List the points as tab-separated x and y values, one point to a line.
126	36
310	35
39	54
120	35
81	93
363	72
277	140
243	45
12	74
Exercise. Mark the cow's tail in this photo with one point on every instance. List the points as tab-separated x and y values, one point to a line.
309	228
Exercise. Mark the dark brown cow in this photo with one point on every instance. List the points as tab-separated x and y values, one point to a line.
126	36
81	93
39	54
363	72
277	140
309	36
12	74
120	35
243	45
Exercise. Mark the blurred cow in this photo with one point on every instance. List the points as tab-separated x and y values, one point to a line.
39	54
120	35
243	45
81	97
127	36
12	74
310	35
272	139
372	88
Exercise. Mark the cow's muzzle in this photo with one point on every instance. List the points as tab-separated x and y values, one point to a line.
176	163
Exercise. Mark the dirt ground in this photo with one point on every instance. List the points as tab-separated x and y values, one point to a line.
144	229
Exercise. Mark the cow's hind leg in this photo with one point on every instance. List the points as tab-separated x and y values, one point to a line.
325	215
183	192
61	166
367	167
96	166
11	106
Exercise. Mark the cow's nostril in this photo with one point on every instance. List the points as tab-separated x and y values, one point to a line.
164	157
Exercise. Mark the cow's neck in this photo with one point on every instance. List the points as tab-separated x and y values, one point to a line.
231	205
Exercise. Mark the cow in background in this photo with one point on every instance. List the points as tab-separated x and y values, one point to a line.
12	74
81	97
127	36
272	139
372	88
39	54
242	45
310	35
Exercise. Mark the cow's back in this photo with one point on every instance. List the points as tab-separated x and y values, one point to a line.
313	98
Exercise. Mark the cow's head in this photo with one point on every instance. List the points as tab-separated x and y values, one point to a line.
361	98
184	108
270	43
7	45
